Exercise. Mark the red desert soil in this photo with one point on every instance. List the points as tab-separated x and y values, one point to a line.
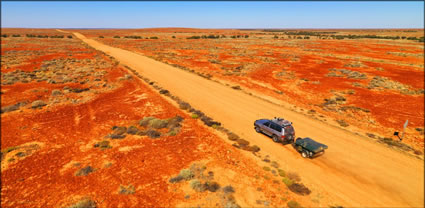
354	172
298	71
49	158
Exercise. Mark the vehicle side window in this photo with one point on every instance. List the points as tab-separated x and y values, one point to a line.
276	127
267	124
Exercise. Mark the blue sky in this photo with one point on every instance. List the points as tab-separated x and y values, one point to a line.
238	14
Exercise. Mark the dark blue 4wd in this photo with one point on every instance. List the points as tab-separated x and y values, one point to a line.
279	129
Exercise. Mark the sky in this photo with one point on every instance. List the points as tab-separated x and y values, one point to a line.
213	14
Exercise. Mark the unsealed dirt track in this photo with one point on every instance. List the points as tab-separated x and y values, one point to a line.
354	172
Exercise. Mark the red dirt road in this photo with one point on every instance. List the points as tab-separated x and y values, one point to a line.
354	172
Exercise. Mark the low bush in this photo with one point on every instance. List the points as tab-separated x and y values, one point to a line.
237	87
228	189
232	136
153	134
16	35
132	130
212	186
103	145
119	130
242	142
253	148
194	116
194	37
197	185
186	174
266	168
288	182
101	36
184	105
293	176
342	123
176	179
116	36
126	189
84	171
154	37
158	123
281	172
69	36
56	36
145	121
38	104
84	203
293	204
299	188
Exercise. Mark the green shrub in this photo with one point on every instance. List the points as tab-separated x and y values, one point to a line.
84	171
69	36
132	130
154	37
281	172
228	189
56	36
158	123
293	204
186	174
242	142
10	149
16	35
173	132
299	188
4	35
232	136
116	36
84	203
145	121
197	185
126	190
100	36
342	123
287	181
194	37
212	186
153	134
194	116
253	148
103	145
266	168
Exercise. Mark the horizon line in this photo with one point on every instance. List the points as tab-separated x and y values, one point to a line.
100	28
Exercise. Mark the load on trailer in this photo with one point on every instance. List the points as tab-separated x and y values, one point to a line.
308	147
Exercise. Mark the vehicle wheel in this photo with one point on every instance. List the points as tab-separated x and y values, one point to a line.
304	154
257	130
275	139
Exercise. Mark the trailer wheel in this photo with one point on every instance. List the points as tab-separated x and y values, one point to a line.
257	129
304	154
275	139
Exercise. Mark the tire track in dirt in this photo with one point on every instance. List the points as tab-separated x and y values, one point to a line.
354	171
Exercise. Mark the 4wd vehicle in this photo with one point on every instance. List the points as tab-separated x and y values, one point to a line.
279	129
309	147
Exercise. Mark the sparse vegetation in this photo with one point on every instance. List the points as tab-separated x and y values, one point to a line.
84	171
84	203
342	123
293	204
126	190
